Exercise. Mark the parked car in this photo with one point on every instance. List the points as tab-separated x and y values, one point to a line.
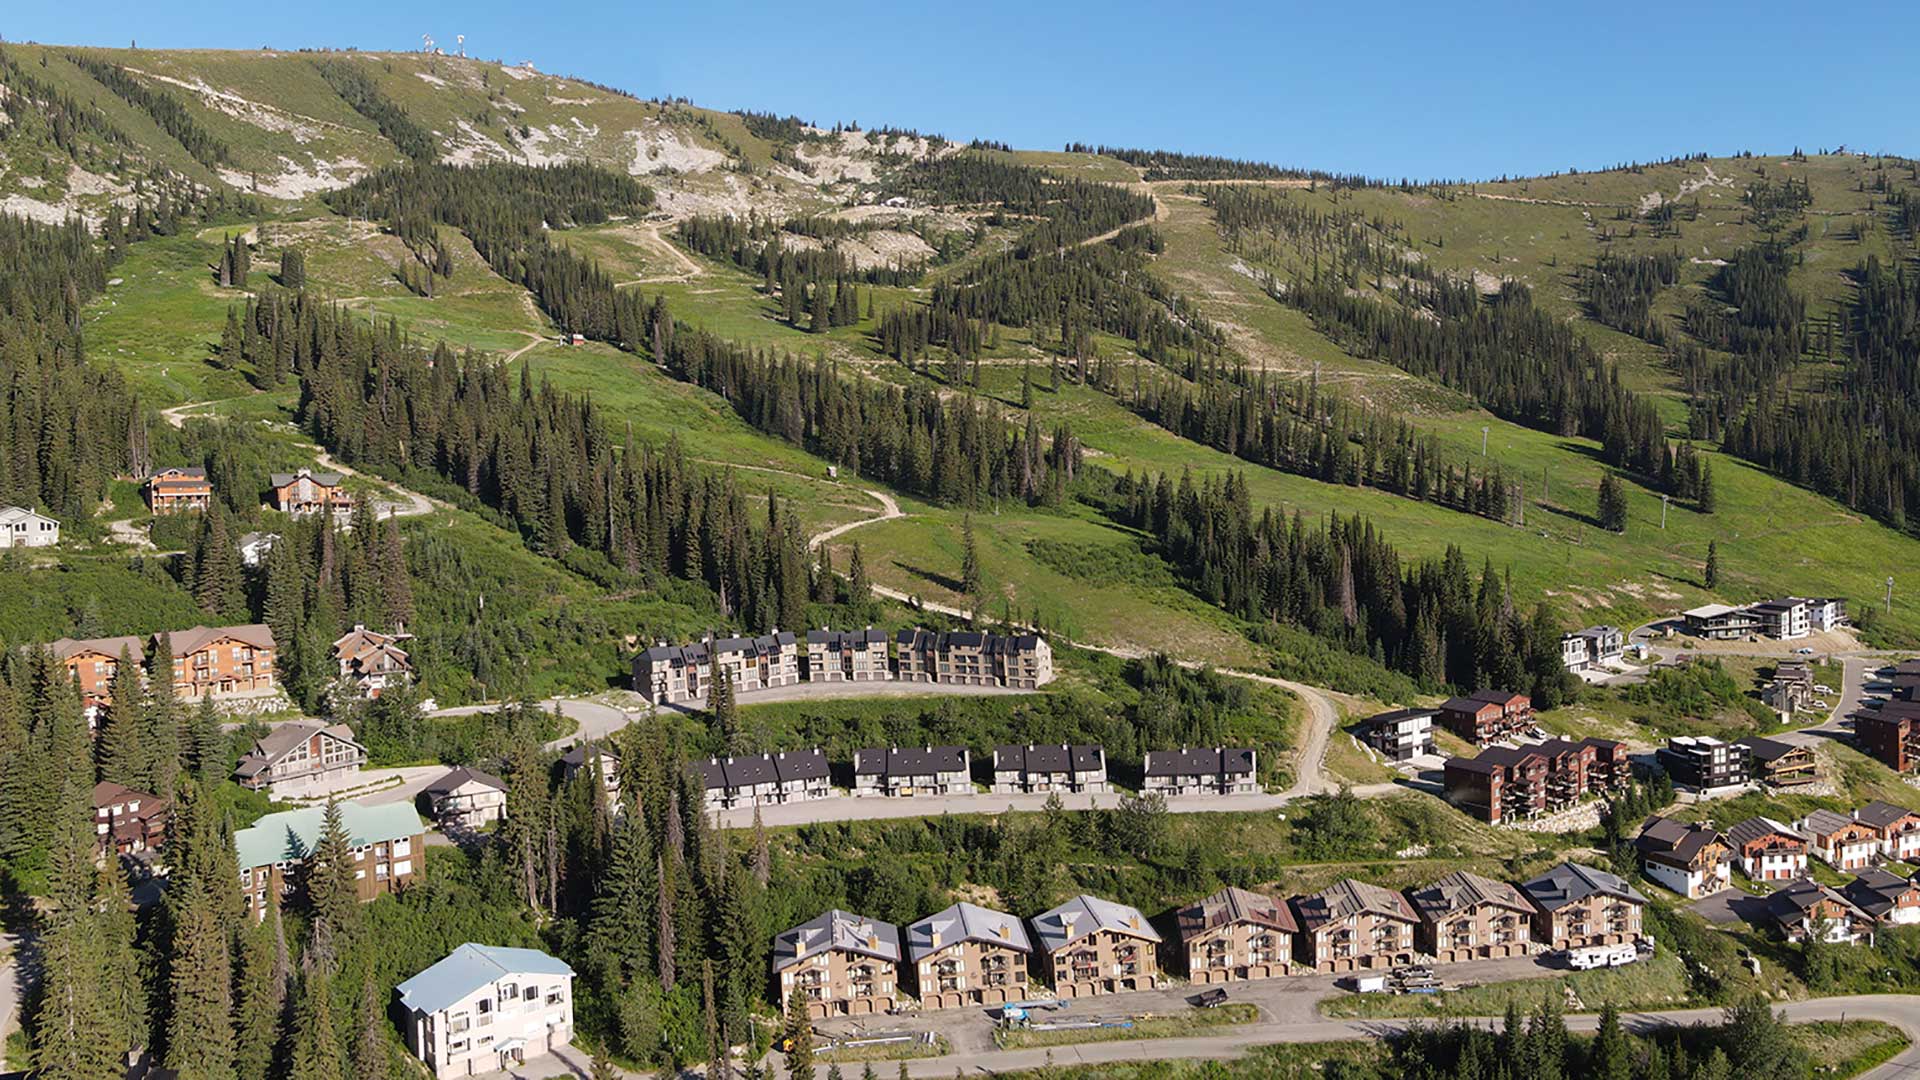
1369	984
1803	651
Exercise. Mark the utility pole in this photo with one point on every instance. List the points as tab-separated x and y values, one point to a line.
1483	441
1889	594
1546	483
1664	500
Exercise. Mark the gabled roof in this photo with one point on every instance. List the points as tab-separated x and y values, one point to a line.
292	835
1682	841
1826	823
1502	698
576	757
1234	905
65	648
324	479
1571	882
801	765
106	792
1084	915
837	929
1393	716
1049	758
909	760
18	513
1882	815
188	642
1464	890
1468	705
965	922
1219	761
470	968
1755	828
460	777
1876	891
1346	898
1792	901
284	739
1766	751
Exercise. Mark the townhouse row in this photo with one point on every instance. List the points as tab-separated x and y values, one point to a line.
850	965
747	780
1889	731
682	674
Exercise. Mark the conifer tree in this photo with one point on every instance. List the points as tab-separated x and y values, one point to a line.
332	893
200	992
396	588
124	986
1706	499
316	1041
1713	564
217	584
971	583
369	1054
262	994
70	1014
859	588
123	759
293	269
1613	503
206	743
723	716
799	1038
619	925
1610	1057
161	737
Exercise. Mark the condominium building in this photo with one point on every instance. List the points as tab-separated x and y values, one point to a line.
1838	840
1487	716
1236	934
1768	850
485	1008
968	955
1091	946
1399	735
1579	906
1464	916
386	843
765	779
850	656
1354	925
842	964
1693	860
302	758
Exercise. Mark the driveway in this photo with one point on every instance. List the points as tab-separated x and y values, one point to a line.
1731	906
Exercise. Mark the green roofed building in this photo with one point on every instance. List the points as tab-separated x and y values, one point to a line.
387	842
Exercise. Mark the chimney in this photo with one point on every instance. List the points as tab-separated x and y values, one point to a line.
935	934
873	940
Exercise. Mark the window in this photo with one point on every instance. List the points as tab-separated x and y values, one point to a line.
402	846
404	866
554	996
530	993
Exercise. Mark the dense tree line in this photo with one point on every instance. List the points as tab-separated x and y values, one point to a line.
1861	443
1069	210
1343	582
165	109
1518	361
816	285
67	425
1620	290
1293	426
65	116
349	79
1171	165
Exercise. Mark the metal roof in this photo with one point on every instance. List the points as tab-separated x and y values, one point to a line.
292	835
837	929
1571	882
470	968
965	922
1084	915
1463	890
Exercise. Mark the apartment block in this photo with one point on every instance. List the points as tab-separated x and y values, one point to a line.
1896	827
1579	906
1354	925
223	662
1464	916
484	1009
852	656
672	674
1090	946
1702	763
1487	716
179	491
1237	934
969	955
272	853
842	964
1399	735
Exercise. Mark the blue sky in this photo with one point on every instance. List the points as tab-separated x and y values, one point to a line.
1390	89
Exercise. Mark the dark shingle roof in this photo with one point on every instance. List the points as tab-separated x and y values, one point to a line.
1571	882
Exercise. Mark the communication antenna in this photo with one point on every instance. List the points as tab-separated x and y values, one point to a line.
426	43
461	40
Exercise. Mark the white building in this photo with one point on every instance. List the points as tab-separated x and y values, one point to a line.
24	528
485	1008
467	798
1786	619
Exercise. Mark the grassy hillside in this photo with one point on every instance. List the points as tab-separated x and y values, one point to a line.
291	136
